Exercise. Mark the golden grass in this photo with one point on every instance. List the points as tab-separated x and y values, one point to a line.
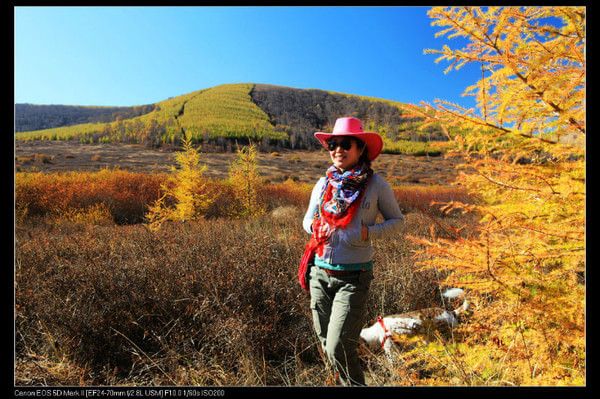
209	302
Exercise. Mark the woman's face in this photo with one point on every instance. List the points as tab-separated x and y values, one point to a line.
344	158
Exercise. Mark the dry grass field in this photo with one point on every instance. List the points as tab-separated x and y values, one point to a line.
102	300
302	166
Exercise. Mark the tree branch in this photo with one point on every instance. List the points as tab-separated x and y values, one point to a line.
507	185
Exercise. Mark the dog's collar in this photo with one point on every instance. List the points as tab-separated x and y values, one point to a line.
385	330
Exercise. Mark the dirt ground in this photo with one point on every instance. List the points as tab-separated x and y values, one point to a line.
300	165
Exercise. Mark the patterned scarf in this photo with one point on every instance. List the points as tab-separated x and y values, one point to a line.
339	201
346	186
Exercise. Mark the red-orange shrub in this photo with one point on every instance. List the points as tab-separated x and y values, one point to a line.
125	194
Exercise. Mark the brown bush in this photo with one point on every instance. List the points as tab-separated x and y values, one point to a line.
24	159
174	307
213	302
111	296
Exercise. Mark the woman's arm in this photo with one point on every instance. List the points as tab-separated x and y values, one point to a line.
390	210
312	206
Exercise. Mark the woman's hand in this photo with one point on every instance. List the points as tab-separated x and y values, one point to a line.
323	230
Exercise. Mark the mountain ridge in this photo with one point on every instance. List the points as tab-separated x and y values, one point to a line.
235	111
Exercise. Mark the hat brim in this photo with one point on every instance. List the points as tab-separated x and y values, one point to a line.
373	141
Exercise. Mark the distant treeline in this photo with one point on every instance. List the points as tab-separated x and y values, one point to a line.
36	117
301	112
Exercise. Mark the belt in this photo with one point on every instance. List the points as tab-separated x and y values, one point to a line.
340	272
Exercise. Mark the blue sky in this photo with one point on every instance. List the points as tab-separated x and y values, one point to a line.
123	56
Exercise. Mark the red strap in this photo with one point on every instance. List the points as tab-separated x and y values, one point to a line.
385	330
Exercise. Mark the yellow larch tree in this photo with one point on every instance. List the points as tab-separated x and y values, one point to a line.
185	196
524	265
246	181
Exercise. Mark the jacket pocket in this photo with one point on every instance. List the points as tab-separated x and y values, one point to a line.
352	237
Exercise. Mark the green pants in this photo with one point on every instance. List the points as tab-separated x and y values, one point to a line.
339	310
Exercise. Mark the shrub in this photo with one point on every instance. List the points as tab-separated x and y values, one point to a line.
213	302
416	148
125	194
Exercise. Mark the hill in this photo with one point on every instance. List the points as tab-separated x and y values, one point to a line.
274	116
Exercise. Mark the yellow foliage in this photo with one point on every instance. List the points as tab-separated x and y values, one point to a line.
97	214
534	73
524	268
185	196
246	181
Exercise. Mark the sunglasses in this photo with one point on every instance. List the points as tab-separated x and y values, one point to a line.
345	143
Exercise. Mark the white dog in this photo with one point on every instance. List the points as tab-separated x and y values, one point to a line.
388	329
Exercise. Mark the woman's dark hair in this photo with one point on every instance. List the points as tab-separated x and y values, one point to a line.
364	157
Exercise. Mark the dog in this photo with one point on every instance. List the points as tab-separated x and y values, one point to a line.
390	331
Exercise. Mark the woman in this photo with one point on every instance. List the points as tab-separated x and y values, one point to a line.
341	220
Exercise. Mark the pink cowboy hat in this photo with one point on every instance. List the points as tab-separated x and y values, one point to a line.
350	126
